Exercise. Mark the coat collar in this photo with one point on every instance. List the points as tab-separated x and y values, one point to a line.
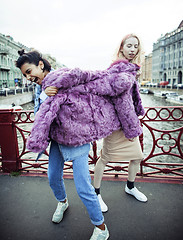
125	62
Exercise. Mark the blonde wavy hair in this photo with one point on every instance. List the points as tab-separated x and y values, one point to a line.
138	59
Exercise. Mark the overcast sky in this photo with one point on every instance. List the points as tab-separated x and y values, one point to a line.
85	33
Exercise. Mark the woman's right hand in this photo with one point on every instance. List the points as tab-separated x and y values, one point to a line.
51	91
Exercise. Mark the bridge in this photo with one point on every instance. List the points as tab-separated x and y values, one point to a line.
27	203
163	151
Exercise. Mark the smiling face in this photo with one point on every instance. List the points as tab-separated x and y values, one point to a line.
130	48
33	73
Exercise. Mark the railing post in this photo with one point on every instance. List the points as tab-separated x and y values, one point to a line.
95	157
141	138
8	142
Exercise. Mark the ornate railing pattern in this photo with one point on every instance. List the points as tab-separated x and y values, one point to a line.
166	142
162	141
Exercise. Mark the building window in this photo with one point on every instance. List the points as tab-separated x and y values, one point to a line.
180	77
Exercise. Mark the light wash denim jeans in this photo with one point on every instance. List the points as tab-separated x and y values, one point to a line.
79	156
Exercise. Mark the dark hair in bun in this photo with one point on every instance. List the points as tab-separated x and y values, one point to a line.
32	57
21	52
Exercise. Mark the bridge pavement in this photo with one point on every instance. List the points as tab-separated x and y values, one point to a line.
27	205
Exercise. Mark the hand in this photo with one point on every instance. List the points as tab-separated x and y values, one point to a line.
138	74
51	91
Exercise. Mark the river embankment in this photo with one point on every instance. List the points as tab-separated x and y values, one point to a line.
165	89
18	99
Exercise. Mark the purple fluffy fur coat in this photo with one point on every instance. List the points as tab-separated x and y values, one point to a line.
90	105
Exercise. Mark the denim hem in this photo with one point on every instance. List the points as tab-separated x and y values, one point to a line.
97	223
62	200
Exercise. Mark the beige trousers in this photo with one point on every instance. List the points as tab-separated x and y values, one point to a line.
117	147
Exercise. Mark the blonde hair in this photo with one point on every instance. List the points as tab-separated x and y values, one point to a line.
138	59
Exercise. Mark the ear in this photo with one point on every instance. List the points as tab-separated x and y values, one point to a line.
41	65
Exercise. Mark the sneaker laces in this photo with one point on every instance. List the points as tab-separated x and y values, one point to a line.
59	207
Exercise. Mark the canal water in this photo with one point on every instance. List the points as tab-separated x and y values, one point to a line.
166	142
148	100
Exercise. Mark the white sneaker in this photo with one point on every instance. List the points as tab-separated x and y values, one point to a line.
103	206
59	212
136	193
99	234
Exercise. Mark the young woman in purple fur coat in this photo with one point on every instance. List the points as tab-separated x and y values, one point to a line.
117	146
72	119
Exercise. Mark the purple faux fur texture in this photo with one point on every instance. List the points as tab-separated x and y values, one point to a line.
89	106
39	137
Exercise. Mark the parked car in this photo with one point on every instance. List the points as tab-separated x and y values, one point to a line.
4	91
180	86
154	84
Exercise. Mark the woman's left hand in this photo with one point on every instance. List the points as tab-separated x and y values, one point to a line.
131	139
51	91
138	74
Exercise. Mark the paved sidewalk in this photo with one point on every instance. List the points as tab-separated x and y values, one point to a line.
27	205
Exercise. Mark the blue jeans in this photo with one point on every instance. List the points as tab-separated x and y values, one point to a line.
79	156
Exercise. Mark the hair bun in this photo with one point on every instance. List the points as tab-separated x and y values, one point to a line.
21	52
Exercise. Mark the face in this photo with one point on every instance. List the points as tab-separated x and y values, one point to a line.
33	73
130	48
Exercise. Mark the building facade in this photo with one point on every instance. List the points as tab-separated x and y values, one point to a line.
146	75
167	58
10	75
52	60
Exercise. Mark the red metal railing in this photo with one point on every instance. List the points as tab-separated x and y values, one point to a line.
167	143
162	141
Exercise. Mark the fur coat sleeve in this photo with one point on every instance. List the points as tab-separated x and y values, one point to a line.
39	137
110	85
118	78
66	78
